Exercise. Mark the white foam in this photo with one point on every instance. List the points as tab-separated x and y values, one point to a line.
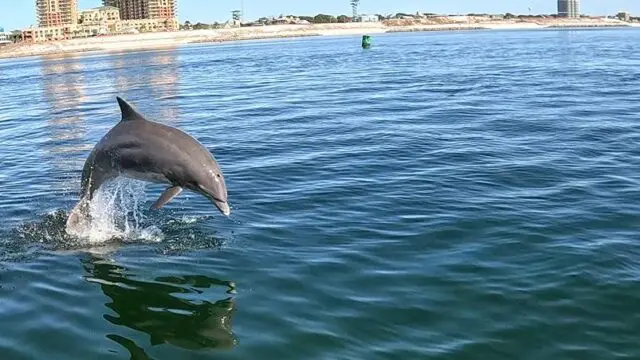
188	219
116	213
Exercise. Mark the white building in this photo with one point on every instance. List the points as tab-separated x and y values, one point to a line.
103	20
5	37
369	18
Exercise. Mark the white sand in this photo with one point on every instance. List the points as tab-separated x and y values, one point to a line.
514	26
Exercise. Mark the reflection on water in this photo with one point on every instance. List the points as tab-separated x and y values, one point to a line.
156	75
63	80
164	81
122	80
170	309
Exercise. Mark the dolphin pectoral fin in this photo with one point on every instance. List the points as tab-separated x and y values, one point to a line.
166	196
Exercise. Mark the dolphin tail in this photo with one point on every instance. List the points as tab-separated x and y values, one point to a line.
79	217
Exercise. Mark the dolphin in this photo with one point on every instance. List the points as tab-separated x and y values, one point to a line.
145	150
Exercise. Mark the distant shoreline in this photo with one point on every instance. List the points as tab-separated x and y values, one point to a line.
155	41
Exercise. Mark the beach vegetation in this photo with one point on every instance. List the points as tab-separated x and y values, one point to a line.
324	19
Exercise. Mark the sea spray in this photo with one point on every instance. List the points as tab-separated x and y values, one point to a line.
116	212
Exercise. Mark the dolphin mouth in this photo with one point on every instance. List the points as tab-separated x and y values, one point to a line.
223	207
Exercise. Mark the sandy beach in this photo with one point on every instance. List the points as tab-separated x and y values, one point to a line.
147	41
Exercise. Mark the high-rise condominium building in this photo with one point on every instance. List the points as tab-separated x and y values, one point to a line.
569	8
56	12
144	9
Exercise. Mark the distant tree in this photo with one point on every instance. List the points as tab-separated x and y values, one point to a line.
187	25
201	26
307	18
343	19
324	19
509	16
400	15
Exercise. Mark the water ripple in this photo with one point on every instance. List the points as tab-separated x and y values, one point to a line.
440	195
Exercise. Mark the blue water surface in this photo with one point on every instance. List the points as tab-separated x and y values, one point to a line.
445	195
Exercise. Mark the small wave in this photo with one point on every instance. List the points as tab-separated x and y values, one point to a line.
187	219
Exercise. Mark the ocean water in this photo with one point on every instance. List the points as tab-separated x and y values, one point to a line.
456	195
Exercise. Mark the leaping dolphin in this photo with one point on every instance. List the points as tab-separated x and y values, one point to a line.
141	149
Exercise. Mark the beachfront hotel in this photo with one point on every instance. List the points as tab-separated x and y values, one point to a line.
144	9
146	15
569	8
60	19
52	13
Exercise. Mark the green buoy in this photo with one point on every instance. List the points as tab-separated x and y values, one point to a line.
366	41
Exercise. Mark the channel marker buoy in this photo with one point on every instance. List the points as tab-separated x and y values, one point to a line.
366	41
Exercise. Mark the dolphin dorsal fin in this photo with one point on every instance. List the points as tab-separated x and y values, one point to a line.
129	113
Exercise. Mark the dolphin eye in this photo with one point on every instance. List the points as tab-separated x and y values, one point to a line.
218	175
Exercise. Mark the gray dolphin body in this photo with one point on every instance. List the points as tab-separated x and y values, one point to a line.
145	150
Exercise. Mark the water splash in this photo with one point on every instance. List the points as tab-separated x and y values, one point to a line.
116	213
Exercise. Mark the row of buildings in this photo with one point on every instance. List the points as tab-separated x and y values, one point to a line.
61	19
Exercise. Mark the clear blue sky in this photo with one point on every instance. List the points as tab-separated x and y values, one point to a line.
21	13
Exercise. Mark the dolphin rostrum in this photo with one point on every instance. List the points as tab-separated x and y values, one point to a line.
145	150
